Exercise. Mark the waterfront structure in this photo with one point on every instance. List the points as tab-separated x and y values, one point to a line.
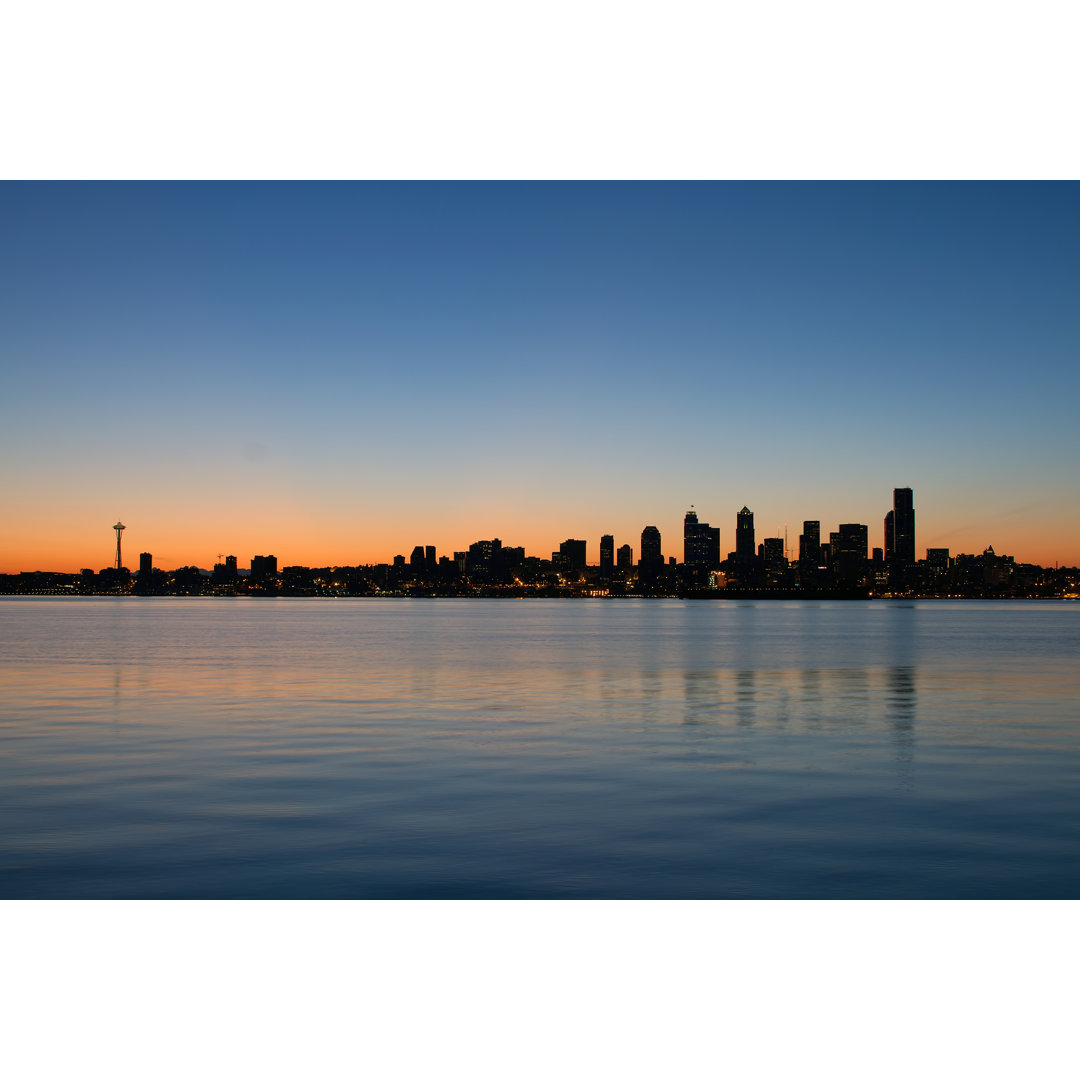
119	527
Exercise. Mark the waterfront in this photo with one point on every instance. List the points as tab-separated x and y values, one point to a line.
540	748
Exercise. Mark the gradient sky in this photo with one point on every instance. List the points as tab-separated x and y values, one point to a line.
333	373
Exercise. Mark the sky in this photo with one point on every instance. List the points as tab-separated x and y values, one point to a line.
334	373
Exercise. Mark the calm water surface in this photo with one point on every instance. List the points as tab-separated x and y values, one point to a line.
538	748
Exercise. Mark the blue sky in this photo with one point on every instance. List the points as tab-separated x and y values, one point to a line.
336	372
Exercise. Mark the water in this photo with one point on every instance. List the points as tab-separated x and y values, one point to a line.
538	748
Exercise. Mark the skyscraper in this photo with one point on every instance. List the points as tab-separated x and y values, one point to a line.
904	520
745	548
607	555
849	551
574	552
651	557
810	544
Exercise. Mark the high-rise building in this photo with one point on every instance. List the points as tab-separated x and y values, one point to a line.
651	558
890	535
625	557
574	553
745	549
810	544
849	555
773	559
263	567
701	544
607	555
904	520
938	558
690	538
146	564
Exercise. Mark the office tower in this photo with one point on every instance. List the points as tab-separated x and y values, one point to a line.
263	566
810	544
701	543
230	565
607	555
904	523
430	562
625	557
416	559
146	564
849	551
119	527
574	553
890	535
745	550
773	558
651	558
938	558
938	564
690	538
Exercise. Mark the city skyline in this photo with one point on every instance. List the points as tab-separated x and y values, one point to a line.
337	372
698	544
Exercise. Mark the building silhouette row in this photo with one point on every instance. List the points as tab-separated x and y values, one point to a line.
842	565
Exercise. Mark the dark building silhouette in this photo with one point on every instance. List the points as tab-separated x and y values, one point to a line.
745	549
773	559
937	558
146	564
849	549
263	567
607	555
573	551
890	534
625	557
651	557
904	522
416	560
701	544
810	556
810	544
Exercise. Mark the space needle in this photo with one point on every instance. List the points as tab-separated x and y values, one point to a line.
119	527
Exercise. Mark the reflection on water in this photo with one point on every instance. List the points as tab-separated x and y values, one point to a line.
900	713
534	748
